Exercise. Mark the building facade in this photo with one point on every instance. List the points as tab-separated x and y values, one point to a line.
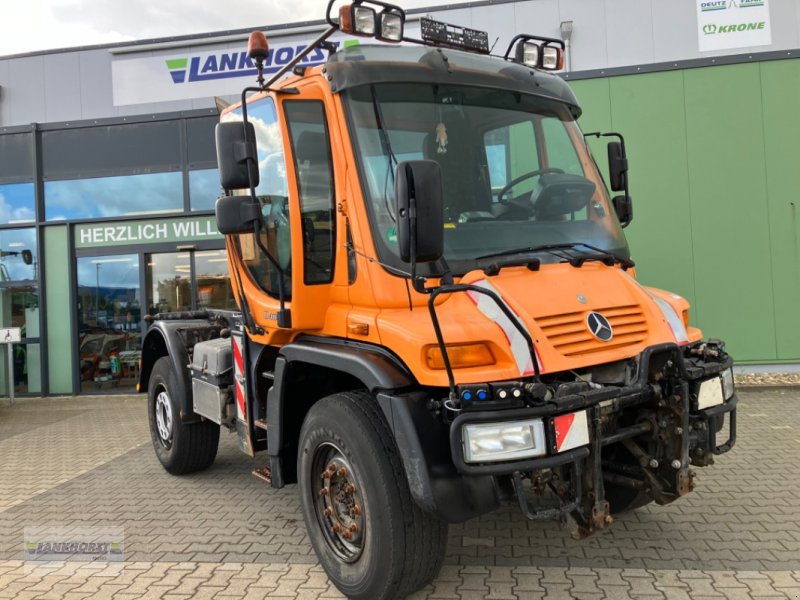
108	174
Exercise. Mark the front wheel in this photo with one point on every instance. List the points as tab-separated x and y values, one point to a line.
373	541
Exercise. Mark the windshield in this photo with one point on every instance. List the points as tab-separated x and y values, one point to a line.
515	170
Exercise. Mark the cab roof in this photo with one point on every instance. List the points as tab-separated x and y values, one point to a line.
365	64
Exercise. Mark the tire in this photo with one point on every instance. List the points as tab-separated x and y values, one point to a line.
395	547
181	448
622	499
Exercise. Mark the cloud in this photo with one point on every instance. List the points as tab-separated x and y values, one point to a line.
47	24
10	214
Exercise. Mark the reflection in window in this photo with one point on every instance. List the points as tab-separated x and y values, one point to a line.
204	189
213	283
17	204
169	279
19	307
109	322
18	255
149	193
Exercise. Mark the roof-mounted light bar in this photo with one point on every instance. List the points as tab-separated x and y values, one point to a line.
537	52
370	18
453	36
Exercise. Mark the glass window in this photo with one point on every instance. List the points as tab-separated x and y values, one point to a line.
204	189
18	254
272	194
560	149
213	283
17	204
485	141
312	163
169	281
27	368
149	193
109	322
19	307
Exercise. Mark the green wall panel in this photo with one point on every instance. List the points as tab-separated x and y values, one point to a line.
730	228
59	319
715	177
780	81
661	233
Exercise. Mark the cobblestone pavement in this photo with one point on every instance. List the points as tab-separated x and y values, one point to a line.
222	533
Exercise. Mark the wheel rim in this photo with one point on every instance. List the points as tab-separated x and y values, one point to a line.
338	502
163	412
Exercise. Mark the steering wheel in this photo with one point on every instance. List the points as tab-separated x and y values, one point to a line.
525	176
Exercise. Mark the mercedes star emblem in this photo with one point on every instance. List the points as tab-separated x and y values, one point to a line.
599	326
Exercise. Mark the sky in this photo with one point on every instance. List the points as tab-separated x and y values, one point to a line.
34	25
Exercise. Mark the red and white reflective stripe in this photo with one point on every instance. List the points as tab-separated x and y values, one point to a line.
238	379
572	430
515	339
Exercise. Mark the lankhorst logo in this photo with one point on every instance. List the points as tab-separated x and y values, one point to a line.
223	65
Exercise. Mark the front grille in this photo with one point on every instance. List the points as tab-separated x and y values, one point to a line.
569	334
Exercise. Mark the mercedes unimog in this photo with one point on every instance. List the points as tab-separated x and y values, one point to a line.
437	307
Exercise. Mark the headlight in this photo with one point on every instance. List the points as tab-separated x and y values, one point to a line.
710	393
492	442
727	384
391	27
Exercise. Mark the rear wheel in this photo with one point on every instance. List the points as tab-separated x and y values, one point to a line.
373	541
180	447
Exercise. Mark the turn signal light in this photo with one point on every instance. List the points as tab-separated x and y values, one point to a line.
460	355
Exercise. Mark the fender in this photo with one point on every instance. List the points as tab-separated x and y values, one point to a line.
174	338
375	367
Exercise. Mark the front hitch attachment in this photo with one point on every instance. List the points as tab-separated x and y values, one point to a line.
558	513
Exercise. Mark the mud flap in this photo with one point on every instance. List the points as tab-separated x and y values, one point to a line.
240	359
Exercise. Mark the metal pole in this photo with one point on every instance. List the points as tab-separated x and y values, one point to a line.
10	373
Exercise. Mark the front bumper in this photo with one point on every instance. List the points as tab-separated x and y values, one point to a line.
656	418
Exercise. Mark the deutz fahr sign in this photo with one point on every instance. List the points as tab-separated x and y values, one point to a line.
725	24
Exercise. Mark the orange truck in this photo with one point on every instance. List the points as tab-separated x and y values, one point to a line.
437	308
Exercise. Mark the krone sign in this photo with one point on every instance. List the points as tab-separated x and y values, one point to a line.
725	24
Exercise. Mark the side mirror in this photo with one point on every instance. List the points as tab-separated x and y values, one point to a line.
236	214
236	148
617	166
419	210
623	206
27	256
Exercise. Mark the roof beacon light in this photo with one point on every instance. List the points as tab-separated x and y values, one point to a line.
257	51
391	26
537	52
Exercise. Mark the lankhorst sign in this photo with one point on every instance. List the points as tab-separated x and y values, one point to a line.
182	74
726	24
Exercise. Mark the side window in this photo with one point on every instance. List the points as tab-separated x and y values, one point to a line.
511	151
313	165
271	193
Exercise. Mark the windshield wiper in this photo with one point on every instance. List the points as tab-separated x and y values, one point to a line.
605	256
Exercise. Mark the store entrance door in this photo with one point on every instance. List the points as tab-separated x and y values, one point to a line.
109	319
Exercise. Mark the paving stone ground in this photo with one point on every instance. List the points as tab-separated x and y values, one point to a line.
222	533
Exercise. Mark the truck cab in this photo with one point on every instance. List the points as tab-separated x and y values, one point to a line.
438	308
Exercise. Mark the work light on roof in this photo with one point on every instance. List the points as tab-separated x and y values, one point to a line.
537	52
359	19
